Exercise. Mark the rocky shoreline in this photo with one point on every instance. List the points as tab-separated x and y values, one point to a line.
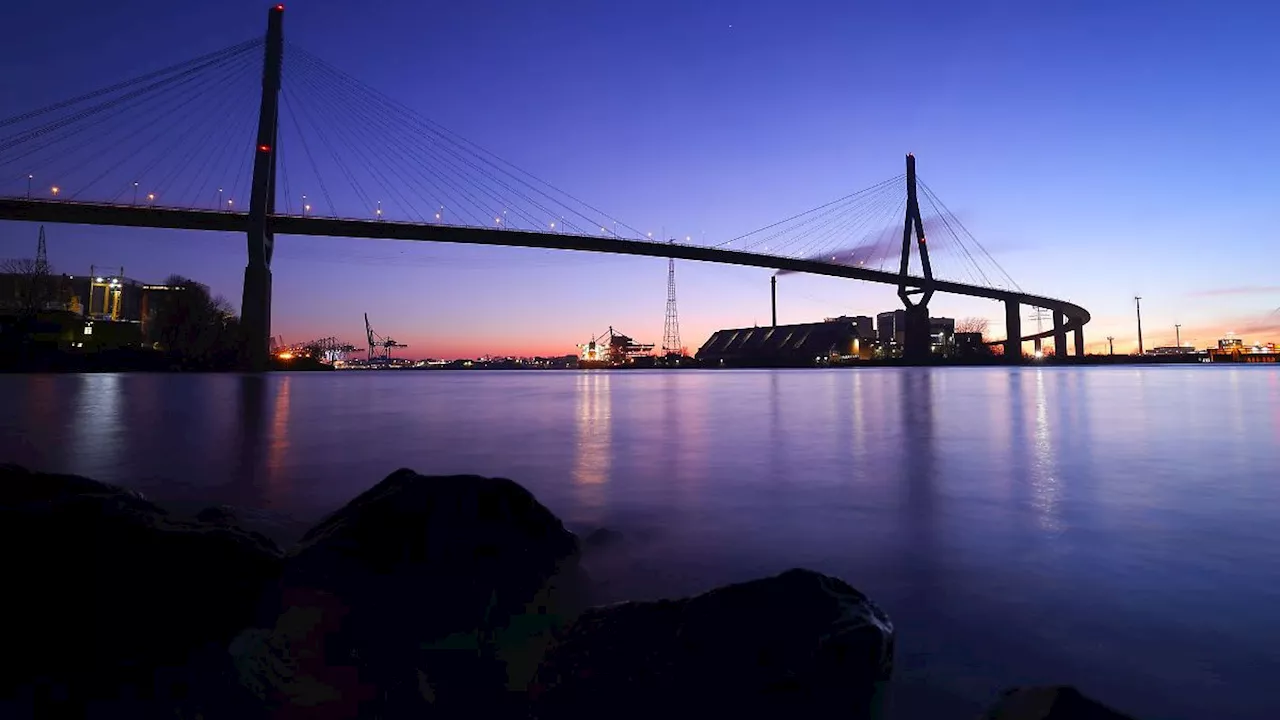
456	596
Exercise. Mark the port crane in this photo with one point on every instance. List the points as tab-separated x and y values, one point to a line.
379	347
612	347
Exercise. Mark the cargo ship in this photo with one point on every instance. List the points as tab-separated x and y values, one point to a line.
611	349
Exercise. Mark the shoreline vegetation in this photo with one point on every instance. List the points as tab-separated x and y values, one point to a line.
458	596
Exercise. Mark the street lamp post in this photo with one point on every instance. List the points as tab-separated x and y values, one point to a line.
1177	333
135	193
30	176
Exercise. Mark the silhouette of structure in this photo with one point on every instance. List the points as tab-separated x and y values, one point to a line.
773	299
255	304
916	338
434	186
671	328
379	347
1137	303
42	255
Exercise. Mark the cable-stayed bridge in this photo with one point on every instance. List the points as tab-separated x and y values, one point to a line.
265	138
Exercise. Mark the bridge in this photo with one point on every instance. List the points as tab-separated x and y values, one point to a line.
376	147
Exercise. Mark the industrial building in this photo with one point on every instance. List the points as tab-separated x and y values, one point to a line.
802	345
891	330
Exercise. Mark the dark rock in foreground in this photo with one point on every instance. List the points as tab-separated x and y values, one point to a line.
1050	703
422	591
799	644
424	596
115	607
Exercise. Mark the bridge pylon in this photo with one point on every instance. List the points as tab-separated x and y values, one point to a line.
255	304
916	333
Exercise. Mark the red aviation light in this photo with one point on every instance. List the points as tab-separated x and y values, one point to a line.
264	148
280	7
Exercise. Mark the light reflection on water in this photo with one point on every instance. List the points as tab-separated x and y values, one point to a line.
1110	527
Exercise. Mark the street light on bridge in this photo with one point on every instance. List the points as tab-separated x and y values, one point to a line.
135	193
55	190
151	199
219	205
30	177
378	212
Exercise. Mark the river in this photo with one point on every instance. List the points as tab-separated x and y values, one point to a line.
1117	528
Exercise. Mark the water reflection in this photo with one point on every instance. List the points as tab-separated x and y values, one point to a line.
277	480
593	437
250	438
98	425
1044	481
919	464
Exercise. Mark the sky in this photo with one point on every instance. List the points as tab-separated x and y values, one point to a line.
1099	150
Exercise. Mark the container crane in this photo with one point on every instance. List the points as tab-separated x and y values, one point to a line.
379	347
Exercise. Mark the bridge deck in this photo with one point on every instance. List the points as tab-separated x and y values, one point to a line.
181	219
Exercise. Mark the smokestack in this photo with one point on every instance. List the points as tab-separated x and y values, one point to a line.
773	295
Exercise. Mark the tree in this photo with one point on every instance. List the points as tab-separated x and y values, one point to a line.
189	322
36	289
973	325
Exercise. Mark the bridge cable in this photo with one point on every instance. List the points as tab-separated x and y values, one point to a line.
239	47
190	132
43	138
806	212
306	149
970	235
449	136
500	202
22	137
387	185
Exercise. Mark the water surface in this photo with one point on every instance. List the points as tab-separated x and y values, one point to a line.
1115	528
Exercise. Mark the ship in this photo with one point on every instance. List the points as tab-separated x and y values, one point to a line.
611	349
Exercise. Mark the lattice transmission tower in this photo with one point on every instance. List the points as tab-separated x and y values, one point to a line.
42	255
671	329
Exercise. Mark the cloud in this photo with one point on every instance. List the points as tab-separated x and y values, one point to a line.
1238	290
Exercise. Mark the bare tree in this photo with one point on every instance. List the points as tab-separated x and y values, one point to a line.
35	286
973	325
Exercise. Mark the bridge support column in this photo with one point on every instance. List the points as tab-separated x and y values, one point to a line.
1013	332
915	343
915	336
255	303
1059	336
1079	338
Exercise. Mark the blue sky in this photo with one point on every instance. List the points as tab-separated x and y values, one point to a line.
1099	150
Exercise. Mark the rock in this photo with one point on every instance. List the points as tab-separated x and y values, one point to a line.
436	591
601	538
111	598
1059	702
799	644
218	515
